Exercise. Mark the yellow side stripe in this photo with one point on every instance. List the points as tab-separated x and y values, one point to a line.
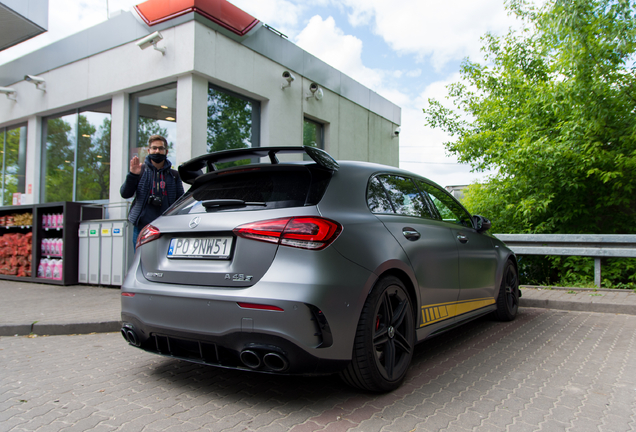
442	311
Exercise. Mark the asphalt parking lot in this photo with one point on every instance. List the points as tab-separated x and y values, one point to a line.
548	370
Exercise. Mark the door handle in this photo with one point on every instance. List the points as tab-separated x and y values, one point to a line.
462	238
411	234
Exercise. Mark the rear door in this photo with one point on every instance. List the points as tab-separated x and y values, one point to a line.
477	256
428	243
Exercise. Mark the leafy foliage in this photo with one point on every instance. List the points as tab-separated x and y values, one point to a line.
311	133
146	127
93	159
14	172
552	112
60	156
229	124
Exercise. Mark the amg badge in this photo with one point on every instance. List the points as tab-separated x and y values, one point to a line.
238	277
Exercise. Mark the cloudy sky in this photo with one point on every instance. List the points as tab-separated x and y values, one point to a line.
405	50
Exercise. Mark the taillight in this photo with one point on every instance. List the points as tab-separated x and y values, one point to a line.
148	234
306	232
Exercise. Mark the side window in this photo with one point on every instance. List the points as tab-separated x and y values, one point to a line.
447	208
377	199
401	196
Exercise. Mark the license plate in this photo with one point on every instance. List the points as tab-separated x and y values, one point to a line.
207	247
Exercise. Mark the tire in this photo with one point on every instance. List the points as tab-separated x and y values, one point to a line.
508	298
385	338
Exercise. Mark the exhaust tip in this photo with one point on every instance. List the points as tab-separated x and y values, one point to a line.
250	359
275	362
131	337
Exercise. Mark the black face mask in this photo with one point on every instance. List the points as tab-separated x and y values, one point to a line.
157	157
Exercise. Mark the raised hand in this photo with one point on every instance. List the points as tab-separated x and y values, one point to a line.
135	165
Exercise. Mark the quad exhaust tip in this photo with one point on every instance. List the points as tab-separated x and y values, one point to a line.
131	337
271	360
275	361
250	359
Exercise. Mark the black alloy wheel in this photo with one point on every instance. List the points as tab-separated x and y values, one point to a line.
508	298
385	339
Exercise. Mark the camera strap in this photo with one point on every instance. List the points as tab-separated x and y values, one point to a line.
159	186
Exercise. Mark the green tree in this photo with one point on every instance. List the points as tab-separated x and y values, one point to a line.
229	124
311	134
551	111
14	173
148	127
93	171
60	156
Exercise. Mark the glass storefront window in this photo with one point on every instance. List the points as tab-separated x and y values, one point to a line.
153	112
93	153
233	122
13	161
76	165
59	158
313	134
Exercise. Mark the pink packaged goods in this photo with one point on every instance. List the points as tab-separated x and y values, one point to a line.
56	272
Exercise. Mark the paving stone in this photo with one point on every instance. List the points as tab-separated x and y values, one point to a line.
469	420
556	426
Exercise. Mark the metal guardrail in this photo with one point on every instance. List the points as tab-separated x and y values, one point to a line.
586	245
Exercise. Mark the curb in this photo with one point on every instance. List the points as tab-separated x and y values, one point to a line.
578	306
60	329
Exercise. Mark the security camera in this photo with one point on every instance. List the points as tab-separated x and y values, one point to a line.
316	92
397	131
151	40
39	82
9	92
289	77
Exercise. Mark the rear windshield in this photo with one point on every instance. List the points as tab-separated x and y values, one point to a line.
255	190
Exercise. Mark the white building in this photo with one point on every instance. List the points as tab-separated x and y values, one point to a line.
68	134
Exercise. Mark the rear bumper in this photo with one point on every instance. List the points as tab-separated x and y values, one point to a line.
240	350
314	331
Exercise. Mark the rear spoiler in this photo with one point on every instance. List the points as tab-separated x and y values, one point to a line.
193	168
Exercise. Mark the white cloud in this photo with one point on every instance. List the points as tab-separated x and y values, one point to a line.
443	31
282	15
421	148
344	52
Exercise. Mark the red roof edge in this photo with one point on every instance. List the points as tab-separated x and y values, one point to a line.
221	12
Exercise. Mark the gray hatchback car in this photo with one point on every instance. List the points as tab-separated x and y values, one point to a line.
311	267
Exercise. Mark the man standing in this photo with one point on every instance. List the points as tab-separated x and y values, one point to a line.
154	184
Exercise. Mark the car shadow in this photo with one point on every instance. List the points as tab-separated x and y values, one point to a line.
431	358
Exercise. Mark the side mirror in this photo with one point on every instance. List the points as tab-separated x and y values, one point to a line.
481	224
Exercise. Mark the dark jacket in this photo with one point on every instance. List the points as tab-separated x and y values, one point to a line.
140	186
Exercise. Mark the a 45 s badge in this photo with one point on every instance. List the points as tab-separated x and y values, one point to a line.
238	277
